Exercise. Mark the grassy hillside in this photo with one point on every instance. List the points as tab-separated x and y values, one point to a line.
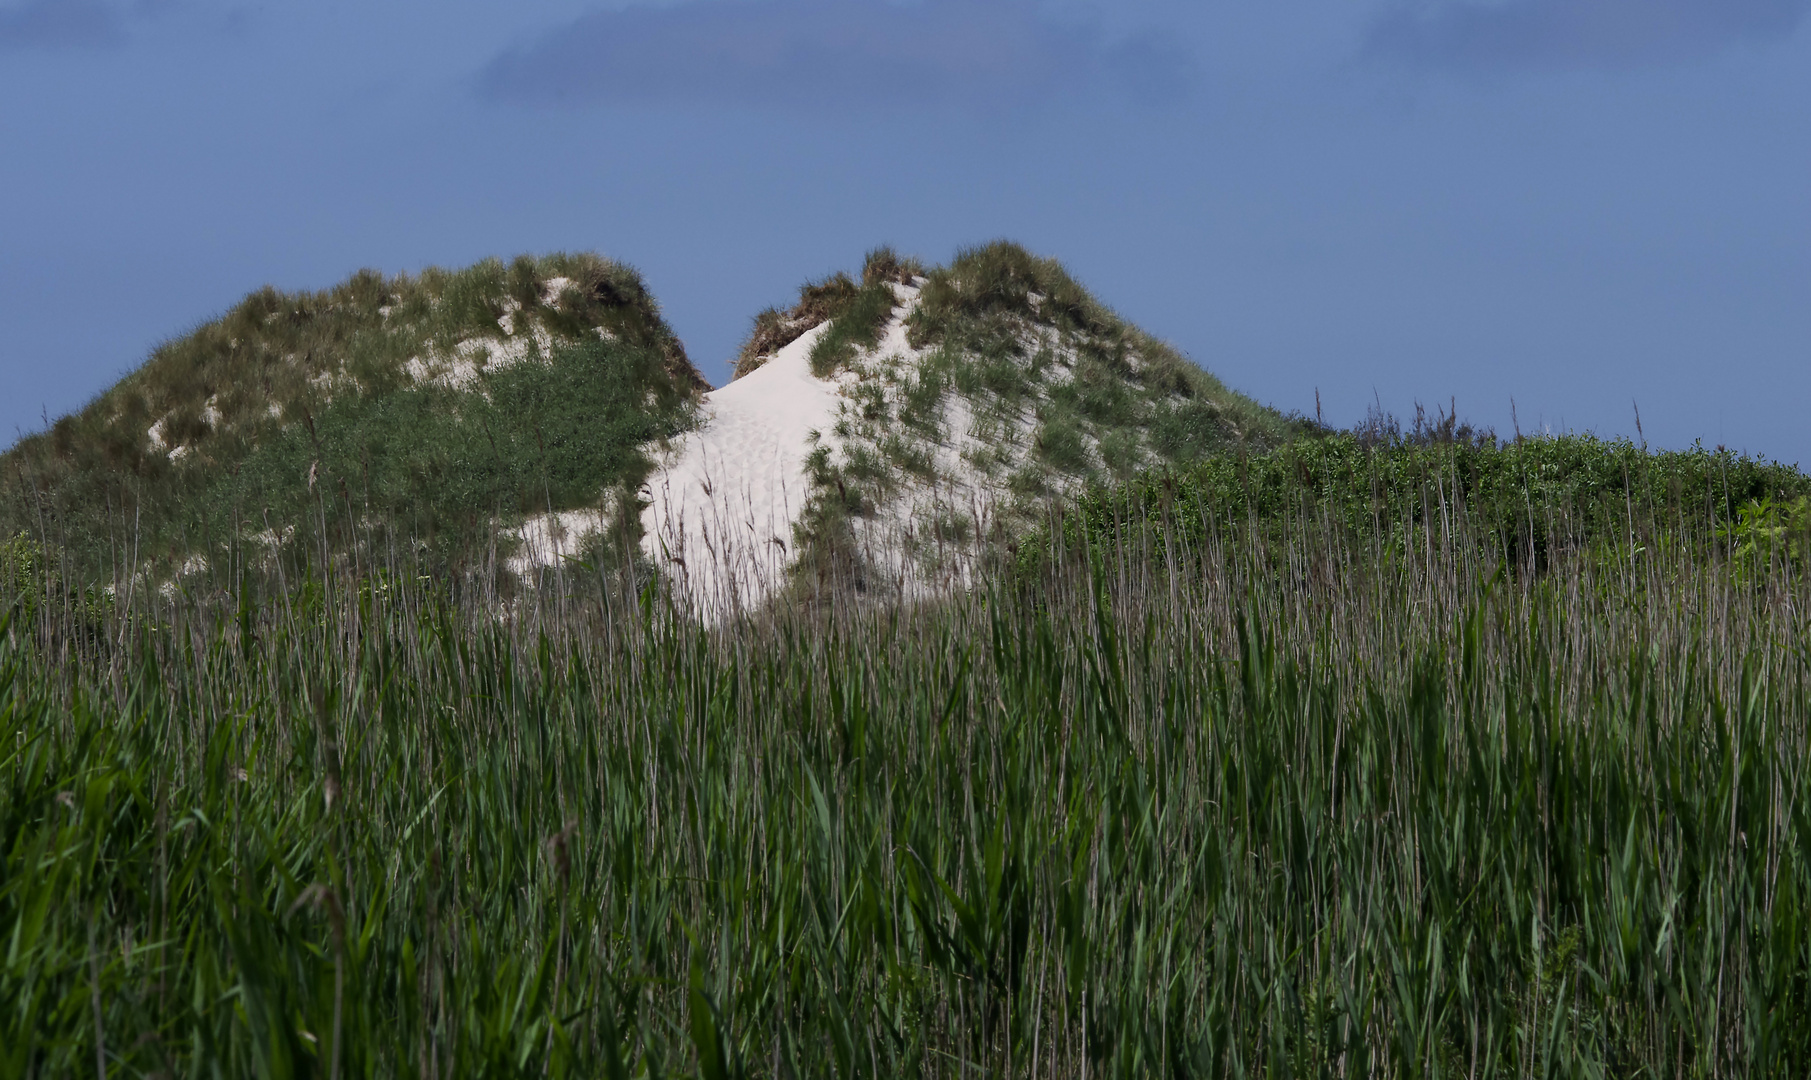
1013	330
1299	794
1010	388
437	405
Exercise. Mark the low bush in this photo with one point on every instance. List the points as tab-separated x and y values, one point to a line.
1529	500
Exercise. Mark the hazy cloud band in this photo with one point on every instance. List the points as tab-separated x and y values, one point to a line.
1459	34
986	54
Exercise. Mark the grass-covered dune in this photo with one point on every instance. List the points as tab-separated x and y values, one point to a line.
435	405
1298	793
976	396
1024	345
1276	752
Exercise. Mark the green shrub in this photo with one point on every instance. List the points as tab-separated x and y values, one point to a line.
23	583
1000	279
1529	500
1764	528
1060	444
983	304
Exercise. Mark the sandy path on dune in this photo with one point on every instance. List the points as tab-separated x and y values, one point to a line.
724	501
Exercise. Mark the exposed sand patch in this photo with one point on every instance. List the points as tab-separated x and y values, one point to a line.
474	356
726	499
551	538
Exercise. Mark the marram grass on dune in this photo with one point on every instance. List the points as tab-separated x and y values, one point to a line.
445	402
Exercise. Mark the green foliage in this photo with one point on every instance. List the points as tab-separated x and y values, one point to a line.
1003	279
824	541
35	597
1764	528
442	464
857	312
819	302
985	311
855	327
982	302
884	264
227	422
1528	500
1407	819
1021	388
21	567
1060	444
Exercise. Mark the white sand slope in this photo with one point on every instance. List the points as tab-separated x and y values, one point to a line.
724	502
939	449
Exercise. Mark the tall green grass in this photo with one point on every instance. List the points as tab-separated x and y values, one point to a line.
1277	797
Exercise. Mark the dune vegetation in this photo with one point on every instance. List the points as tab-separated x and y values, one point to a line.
976	397
439	406
1359	757
1238	746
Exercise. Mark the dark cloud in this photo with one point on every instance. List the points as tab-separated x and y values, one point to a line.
60	24
1574	33
984	54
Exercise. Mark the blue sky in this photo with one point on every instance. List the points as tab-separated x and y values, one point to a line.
1574	206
